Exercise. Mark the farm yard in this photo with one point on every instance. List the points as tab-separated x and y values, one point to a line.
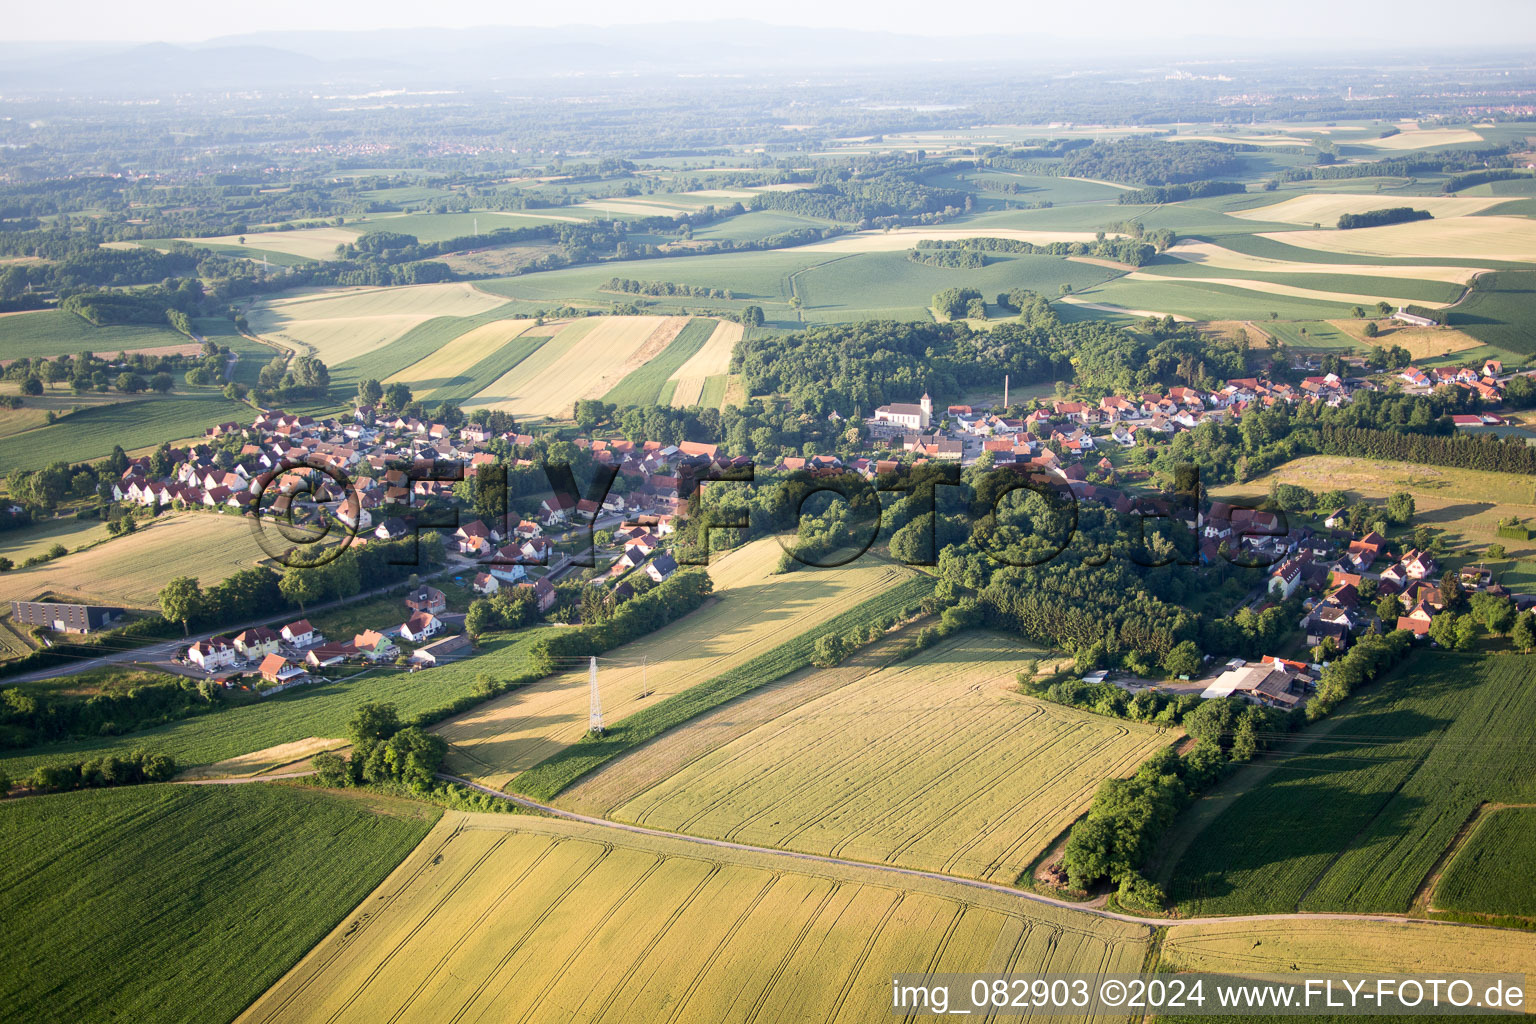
752	612
935	763
130	570
169	934
495	917
1356	818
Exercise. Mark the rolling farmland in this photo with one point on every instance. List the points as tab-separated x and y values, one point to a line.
443	365
127	919
53	332
752	612
1396	772
1208	254
931	763
1471	238
130	570
585	359
1491	873
343	324
645	386
1326	208
503	919
306	243
1501	311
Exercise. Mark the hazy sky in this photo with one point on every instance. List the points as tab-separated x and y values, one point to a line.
1396	22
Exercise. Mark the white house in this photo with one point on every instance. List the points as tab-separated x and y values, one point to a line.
212	655
421	626
299	633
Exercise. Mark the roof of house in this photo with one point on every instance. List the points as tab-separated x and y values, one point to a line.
298	628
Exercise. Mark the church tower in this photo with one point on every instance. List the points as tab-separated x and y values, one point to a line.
926	404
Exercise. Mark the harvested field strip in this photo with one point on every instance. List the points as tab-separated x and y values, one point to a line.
1275	288
502	918
307	243
643	386
607	349
347	325
446	362
681	394
752	612
1326	208
129	571
1211	255
1472	238
504	391
122	890
1409	948
713	360
497	364
419	343
933	763
559	771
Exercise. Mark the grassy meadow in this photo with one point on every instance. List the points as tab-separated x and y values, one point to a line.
501	918
126	919
934	762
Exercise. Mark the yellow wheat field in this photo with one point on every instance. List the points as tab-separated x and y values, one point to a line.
1275	288
1423	138
898	239
1464	238
1355	947
129	571
752	611
1421	342
307	243
584	360
460	354
1212	255
712	360
1326	208
342	324
934	763
521	920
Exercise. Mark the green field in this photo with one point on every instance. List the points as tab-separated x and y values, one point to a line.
1356	818
181	903
319	710
1491	874
644	386
53	332
141	423
1501	311
758	224
439	227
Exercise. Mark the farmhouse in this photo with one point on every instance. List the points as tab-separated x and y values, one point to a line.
64	618
1276	683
